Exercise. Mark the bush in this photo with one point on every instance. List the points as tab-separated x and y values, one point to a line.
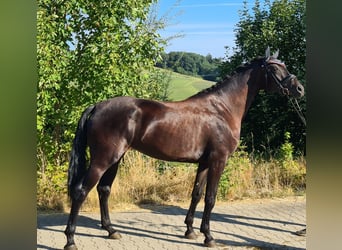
257	178
292	173
236	178
52	188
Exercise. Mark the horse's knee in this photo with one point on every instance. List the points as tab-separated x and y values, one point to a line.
103	190
196	197
197	192
210	201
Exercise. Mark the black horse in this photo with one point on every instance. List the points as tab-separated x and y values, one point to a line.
203	129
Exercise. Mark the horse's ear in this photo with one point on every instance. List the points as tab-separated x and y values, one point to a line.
267	53
275	55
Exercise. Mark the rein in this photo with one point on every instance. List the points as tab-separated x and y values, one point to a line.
296	106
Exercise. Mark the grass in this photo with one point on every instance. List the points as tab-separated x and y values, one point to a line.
140	180
144	180
183	86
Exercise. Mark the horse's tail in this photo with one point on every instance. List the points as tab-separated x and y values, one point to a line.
77	164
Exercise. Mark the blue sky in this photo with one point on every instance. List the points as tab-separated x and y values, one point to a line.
207	26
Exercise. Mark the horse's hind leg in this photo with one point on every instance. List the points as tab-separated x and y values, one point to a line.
76	203
103	189
77	198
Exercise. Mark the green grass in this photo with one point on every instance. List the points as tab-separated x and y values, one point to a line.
183	86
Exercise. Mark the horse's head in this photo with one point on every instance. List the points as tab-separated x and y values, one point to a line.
279	79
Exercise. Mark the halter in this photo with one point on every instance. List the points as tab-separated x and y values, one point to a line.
280	83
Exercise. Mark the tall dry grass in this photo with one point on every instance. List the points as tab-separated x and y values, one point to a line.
142	179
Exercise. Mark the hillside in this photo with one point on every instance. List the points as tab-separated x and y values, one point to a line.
191	64
183	86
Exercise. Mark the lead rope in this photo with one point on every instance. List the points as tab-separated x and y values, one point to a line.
301	116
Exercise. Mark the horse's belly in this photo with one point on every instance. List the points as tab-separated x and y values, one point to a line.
171	145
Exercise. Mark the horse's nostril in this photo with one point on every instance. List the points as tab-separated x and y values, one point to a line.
300	89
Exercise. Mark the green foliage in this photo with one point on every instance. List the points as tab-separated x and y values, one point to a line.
191	64
51	186
236	176
291	173
250	177
88	51
286	149
280	25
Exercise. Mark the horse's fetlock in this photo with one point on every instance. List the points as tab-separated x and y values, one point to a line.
70	229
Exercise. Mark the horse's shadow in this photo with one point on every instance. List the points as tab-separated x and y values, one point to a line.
232	219
227	218
46	221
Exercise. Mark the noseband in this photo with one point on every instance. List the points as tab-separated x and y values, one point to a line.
280	83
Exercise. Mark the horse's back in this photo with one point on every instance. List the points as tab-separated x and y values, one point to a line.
122	116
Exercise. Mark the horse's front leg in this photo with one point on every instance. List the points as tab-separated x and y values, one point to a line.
214	174
197	192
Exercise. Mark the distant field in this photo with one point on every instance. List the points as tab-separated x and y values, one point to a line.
183	86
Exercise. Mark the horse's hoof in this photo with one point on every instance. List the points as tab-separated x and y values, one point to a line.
210	243
115	236
70	247
301	232
190	235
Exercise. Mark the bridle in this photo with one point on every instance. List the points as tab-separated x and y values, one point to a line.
281	84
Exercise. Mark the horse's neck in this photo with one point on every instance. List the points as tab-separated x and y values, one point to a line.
240	94
254	86
253	90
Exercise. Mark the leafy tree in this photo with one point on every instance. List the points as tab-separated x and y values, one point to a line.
280	25
88	51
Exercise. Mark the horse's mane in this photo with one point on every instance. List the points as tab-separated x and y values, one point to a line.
248	65
228	78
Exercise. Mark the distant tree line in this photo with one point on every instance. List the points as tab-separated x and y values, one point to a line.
193	64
